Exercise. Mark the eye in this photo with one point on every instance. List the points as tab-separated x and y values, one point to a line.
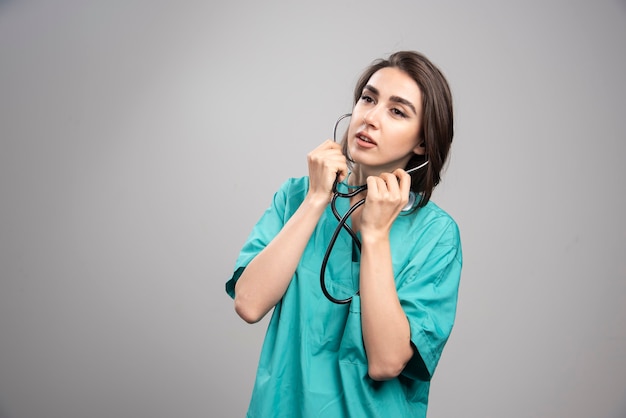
398	112
367	98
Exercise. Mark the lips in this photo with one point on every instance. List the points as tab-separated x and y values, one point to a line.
362	136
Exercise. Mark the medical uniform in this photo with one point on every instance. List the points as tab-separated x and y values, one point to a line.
313	361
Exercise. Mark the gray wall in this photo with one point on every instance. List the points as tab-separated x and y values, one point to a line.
141	140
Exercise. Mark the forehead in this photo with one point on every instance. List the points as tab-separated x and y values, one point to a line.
391	81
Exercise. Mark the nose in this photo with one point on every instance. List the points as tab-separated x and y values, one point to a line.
371	117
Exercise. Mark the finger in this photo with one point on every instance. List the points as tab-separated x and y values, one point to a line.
326	153
404	180
343	171
391	182
397	186
324	147
331	145
401	174
336	161
372	185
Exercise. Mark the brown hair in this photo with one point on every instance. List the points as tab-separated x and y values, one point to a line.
437	117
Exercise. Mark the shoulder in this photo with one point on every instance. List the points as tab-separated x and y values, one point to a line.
435	221
296	185
291	193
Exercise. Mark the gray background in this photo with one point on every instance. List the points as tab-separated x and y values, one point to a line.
141	140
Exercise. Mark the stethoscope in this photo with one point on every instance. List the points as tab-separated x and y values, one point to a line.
344	219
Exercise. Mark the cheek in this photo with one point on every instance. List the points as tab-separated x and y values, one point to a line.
358	112
408	137
412	133
353	126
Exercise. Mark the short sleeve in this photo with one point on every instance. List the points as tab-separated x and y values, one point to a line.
268	226
429	293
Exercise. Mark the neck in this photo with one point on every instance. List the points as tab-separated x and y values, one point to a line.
360	174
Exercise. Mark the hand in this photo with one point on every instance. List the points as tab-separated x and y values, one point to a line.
326	163
387	195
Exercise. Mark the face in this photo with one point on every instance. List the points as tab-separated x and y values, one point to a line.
386	122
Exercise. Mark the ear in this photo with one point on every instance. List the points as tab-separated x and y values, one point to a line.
420	149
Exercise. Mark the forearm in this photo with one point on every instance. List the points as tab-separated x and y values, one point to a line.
386	330
266	278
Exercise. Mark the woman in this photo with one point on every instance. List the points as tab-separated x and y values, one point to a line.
374	355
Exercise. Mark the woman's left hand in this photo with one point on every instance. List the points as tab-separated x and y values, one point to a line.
387	195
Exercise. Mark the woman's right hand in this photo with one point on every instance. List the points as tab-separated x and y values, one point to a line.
326	163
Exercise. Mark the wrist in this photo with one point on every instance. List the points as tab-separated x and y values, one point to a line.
317	201
374	236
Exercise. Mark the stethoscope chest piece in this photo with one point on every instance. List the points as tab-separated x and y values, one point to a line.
411	203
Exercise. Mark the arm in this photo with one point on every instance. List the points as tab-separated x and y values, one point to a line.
266	278
386	330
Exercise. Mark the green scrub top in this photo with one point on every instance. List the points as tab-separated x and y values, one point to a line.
313	361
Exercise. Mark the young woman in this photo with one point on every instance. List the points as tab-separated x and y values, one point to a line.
374	353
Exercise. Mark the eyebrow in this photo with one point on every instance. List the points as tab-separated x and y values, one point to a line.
396	99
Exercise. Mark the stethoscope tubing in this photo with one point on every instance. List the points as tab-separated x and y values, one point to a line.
341	225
